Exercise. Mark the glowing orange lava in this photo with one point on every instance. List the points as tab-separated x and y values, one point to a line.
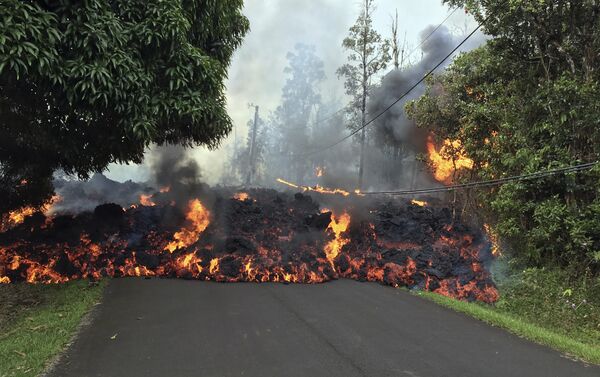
443	166
199	216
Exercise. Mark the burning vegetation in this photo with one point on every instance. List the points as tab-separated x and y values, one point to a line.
448	160
275	237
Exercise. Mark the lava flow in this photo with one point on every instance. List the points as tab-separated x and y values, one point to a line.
275	237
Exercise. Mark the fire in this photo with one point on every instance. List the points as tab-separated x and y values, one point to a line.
18	216
419	203
199	216
338	226
290	184
272	238
317	188
319	171
444	167
214	266
165	189
241	196
493	237
146	200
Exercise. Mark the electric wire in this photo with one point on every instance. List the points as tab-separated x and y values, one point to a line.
372	120
489	183
334	114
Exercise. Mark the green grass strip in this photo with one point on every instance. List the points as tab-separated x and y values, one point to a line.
41	333
586	352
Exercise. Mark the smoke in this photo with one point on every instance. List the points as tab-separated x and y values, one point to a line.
175	178
394	127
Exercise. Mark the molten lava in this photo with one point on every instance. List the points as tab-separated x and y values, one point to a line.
444	167
198	216
275	237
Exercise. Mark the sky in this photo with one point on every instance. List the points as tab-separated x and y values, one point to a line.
256	74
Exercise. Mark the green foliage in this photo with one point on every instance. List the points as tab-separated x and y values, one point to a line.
545	306
37	322
525	102
553	300
87	83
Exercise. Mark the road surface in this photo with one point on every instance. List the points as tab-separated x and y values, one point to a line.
174	328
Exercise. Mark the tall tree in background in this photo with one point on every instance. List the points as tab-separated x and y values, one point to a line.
245	159
299	97
398	50
368	55
87	83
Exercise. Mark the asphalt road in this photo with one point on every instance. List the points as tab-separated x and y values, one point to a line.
173	328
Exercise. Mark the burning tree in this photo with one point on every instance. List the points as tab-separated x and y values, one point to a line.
528	101
85	84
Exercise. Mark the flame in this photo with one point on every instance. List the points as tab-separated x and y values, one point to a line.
338	226
4	280
18	216
444	167
146	200
493	237
165	189
319	171
290	184
199	216
317	188
419	203
241	196
214	266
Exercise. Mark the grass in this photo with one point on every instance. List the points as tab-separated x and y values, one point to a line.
37	322
544	307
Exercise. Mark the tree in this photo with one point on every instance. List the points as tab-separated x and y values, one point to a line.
397	49
299	97
243	161
369	54
87	83
528	101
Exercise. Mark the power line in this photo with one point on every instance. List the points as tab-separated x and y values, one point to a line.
488	183
334	114
322	149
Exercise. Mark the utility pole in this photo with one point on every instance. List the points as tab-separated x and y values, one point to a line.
251	170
